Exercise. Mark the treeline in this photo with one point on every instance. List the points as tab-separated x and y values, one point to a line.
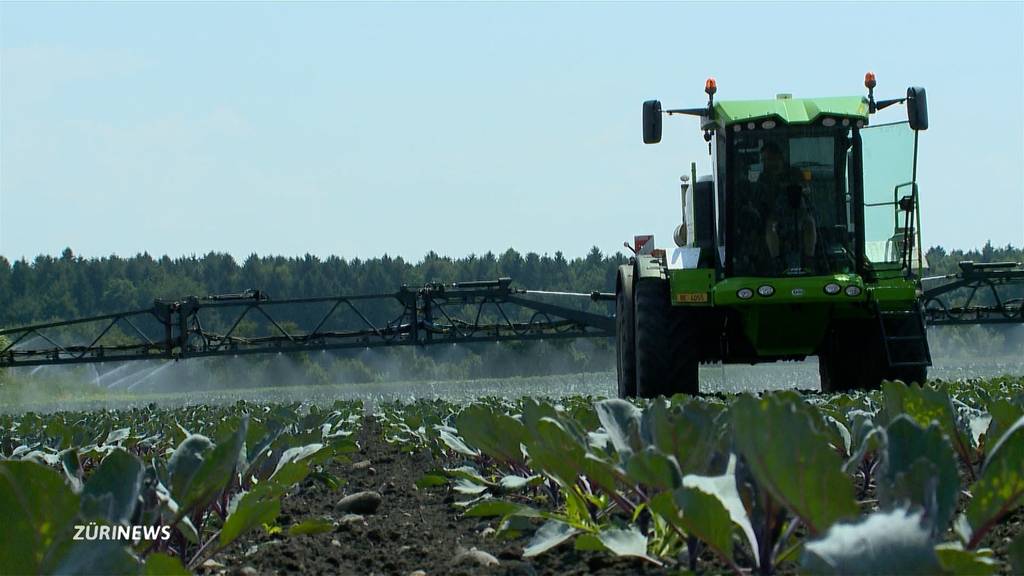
942	262
70	286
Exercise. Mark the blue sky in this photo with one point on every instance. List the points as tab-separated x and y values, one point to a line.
359	129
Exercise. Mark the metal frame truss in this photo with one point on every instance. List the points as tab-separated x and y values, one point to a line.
484	311
980	302
463	312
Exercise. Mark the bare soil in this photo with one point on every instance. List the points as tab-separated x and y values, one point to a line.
412	530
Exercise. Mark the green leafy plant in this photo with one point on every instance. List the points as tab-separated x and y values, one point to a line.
143	468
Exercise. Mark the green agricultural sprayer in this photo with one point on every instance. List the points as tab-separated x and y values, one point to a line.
803	241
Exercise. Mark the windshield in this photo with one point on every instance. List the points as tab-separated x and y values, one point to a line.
789	208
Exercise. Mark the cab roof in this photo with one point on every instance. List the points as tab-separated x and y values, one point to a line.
791	110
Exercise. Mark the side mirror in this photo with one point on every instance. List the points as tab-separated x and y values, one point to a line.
680	235
917	108
652	122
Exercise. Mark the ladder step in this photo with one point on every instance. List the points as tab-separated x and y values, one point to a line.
904	350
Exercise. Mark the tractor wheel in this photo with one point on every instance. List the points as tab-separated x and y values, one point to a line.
625	341
666	342
851	358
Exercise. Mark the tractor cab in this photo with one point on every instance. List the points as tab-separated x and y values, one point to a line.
785	207
807	188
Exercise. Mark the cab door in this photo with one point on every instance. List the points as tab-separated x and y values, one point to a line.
891	235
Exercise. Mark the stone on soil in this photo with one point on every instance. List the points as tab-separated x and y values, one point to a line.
475	557
360	503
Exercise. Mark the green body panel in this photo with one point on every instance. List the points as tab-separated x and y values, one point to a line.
691	287
894	293
791	110
785	330
796	290
792	321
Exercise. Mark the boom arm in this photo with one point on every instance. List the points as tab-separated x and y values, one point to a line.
485	311
990	307
463	312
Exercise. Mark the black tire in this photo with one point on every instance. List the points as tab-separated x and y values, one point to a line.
667	359
851	358
625	343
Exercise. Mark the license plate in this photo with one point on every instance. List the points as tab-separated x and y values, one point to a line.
692	297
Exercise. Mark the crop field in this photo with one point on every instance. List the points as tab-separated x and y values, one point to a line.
905	479
510	288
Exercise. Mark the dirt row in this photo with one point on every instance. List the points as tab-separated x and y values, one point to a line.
413	531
